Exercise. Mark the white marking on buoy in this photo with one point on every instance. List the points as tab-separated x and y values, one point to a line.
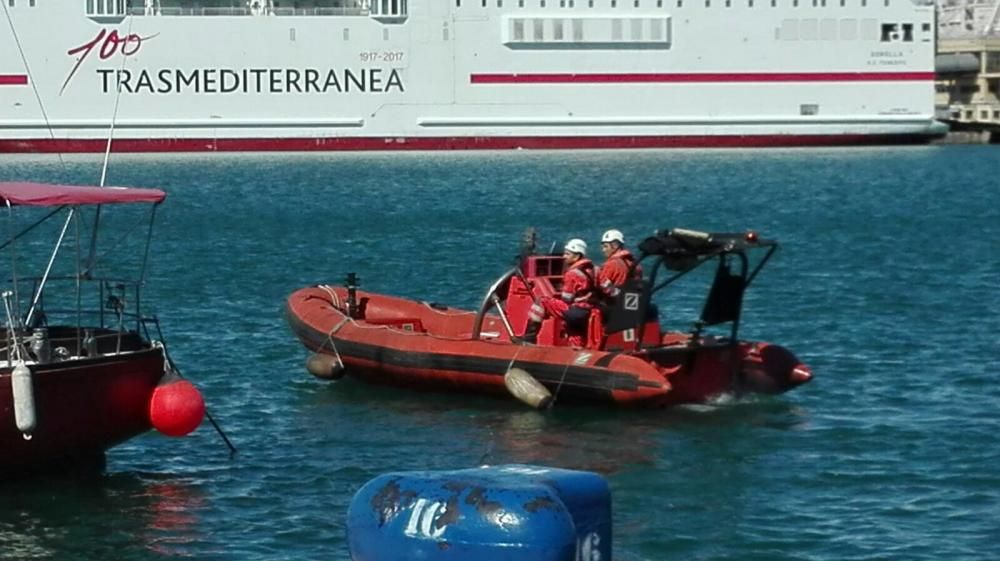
524	470
587	549
422	518
582	358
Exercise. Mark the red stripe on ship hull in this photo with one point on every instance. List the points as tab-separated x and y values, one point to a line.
96	145
675	78
13	80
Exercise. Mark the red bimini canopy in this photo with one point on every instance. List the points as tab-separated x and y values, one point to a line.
46	194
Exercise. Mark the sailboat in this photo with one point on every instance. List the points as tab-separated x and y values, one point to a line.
82	367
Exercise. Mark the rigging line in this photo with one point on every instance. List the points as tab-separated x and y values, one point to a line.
114	113
31	78
48	268
13	256
107	149
14	237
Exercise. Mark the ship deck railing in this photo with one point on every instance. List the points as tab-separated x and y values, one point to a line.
244	11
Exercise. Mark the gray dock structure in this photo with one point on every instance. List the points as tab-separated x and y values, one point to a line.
968	69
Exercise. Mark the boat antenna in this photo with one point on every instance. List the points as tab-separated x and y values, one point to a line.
31	78
91	256
114	113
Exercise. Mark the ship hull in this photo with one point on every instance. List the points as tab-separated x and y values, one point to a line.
83	409
496	75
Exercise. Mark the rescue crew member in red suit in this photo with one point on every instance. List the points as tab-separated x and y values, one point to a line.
617	264
576	301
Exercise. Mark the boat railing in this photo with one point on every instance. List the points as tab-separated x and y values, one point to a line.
96	302
172	11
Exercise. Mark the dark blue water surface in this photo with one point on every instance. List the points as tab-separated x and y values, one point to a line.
887	284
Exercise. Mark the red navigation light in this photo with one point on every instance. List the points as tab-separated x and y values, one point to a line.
751	236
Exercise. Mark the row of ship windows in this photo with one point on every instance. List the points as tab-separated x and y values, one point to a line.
847	29
680	3
984	115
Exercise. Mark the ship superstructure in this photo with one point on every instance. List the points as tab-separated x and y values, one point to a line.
201	75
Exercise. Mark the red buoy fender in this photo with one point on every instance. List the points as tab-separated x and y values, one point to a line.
176	407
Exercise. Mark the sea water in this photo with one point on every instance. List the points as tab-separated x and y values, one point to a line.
887	284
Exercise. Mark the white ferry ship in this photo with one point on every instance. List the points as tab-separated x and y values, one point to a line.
233	75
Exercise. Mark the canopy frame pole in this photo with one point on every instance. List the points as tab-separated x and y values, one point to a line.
48	268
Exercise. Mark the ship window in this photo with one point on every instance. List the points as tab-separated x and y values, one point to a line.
458	3
774	3
385	34
809	109
557	30
815	3
614	3
750	3
347	34
499	3
444	31
636	30
291	34
968	113
789	30
807	29
708	3
868	30
795	3
12	4
680	3
864	3
656	29
636	3
907	32
843	3
519	30
889	32
31	3
562	3
984	114
996	115
886	3
729	3
520	3
541	3
828	29
578	30
822	3
590	3
484	3
538	30
616	30
926	27
571	3
848	29
659	3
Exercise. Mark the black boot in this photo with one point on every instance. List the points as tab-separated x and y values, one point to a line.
531	332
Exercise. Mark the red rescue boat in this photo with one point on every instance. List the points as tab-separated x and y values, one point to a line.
633	362
76	380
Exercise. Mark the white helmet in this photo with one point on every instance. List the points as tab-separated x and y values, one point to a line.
613	236
576	245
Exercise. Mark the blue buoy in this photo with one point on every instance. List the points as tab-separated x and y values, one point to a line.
509	513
